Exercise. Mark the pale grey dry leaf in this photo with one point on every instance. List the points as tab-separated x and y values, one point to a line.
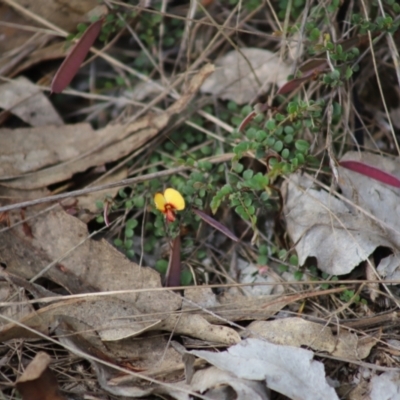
202	296
234	79
389	267
35	158
287	370
385	386
25	100
378	199
215	384
251	273
324	227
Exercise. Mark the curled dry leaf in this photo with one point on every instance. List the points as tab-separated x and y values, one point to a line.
38	381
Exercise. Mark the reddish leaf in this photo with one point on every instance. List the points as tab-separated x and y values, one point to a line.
310	70
173	276
215	224
246	121
292	85
73	61
371	172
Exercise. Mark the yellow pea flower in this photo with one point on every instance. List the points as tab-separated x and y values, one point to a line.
169	202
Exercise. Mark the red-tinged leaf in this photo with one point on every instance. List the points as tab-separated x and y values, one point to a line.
73	61
292	85
371	172
246	121
173	275
215	224
310	70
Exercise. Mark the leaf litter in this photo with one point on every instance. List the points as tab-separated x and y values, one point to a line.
119	317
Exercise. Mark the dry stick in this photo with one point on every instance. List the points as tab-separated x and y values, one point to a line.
80	192
123	182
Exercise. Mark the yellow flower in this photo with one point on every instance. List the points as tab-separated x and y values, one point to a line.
169	202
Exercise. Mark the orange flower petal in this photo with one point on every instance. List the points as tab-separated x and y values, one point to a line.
174	198
160	202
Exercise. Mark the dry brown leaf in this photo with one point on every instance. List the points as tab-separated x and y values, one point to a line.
299	332
38	381
91	266
237	307
56	153
97	263
112	318
25	100
294	332
65	14
350	346
52	51
196	326
19	44
16	44
86	204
